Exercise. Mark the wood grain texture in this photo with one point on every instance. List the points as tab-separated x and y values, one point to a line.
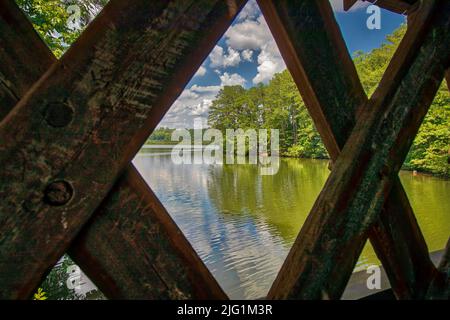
161	242
397	6
440	286
114	85
16	78
134	250
332	238
320	53
348	4
447	78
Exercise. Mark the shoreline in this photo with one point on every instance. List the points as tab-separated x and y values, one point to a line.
169	144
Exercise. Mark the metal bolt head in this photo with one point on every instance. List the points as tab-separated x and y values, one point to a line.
58	115
58	193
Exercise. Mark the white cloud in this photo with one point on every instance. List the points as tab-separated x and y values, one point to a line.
233	79
192	103
202	108
247	55
196	101
210	89
221	60
269	64
250	11
200	72
247	40
248	36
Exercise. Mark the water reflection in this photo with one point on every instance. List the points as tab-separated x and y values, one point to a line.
242	224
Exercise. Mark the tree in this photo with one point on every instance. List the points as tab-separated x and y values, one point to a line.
430	149
278	105
52	20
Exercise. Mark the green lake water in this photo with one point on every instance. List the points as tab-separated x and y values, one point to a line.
243	224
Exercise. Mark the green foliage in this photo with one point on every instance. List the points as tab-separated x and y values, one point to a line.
160	135
55	285
371	66
51	20
430	151
40	295
277	105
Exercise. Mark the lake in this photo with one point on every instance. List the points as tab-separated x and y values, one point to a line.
243	224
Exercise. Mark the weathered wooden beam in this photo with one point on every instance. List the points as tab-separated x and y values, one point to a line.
313	48
440	286
68	139
348	4
447	78
397	6
329	244
136	251
16	78
399	244
162	264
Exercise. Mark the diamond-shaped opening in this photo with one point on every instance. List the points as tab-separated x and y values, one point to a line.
234	217
66	281
243	224
60	22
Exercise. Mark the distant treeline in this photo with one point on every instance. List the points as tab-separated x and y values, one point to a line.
278	105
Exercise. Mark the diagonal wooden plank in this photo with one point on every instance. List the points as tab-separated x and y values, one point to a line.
24	56
325	252
398	6
440	286
158	263
67	140
447	78
16	78
318	53
132	234
348	4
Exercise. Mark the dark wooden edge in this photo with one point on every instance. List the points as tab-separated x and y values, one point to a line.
397	6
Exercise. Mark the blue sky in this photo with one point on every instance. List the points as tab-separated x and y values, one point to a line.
247	55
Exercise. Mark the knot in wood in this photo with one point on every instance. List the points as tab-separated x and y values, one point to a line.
58	193
58	115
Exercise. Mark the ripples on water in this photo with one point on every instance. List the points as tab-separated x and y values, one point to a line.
242	224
